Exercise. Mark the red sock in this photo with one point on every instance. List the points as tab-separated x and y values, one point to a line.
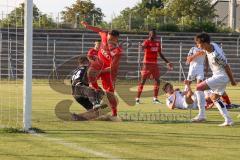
113	103
140	89
114	111
209	103
226	99
95	85
93	82
156	90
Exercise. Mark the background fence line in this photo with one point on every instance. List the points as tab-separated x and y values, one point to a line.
53	48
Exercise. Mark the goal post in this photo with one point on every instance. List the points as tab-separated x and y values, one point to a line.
27	80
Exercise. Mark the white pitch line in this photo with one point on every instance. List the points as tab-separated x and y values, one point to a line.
77	147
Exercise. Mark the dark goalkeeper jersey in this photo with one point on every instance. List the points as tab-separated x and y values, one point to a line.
79	76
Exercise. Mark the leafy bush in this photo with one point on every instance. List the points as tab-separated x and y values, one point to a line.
206	26
169	27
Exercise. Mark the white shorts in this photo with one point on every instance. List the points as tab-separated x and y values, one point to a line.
193	105
195	73
217	83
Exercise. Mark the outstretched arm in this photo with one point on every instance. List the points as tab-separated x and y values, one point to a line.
230	75
170	66
192	57
94	29
172	105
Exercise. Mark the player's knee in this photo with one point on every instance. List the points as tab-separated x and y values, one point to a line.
143	81
201	86
109	90
214	97
157	81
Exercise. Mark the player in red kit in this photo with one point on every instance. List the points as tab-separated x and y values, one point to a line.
92	54
152	48
107	64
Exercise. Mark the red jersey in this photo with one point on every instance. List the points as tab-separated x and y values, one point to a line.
107	51
152	48
92	52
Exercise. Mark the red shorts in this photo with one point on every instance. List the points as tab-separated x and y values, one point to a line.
106	78
150	70
107	82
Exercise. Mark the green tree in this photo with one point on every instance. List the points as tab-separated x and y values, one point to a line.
133	18
168	15
150	4
82	9
16	18
189	11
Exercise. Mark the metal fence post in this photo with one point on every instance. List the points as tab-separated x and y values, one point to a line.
0	56
47	44
238	46
82	43
9	58
180	62
139	59
127	47
54	60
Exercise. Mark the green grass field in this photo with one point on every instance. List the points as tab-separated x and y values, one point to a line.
140	140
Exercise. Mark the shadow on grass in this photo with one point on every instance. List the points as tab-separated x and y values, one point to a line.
66	157
21	131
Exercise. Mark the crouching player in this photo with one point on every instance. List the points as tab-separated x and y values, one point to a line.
82	93
222	74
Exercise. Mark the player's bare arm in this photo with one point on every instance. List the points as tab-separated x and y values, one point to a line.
192	57
172	105
92	28
169	64
230	75
206	66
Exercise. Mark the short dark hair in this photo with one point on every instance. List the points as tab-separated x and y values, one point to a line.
114	33
98	41
152	30
203	37
82	59
165	86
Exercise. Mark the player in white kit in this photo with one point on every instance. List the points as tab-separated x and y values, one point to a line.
222	74
177	99
196	58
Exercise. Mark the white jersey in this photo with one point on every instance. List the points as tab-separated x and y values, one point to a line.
217	60
197	62
180	100
196	68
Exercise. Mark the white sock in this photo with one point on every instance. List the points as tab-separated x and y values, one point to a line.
186	88
201	104
223	110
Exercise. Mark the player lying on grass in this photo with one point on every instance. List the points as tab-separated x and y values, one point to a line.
82	93
152	49
222	74
186	99
106	67
178	99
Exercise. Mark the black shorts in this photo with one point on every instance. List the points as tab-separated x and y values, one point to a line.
87	96
84	102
